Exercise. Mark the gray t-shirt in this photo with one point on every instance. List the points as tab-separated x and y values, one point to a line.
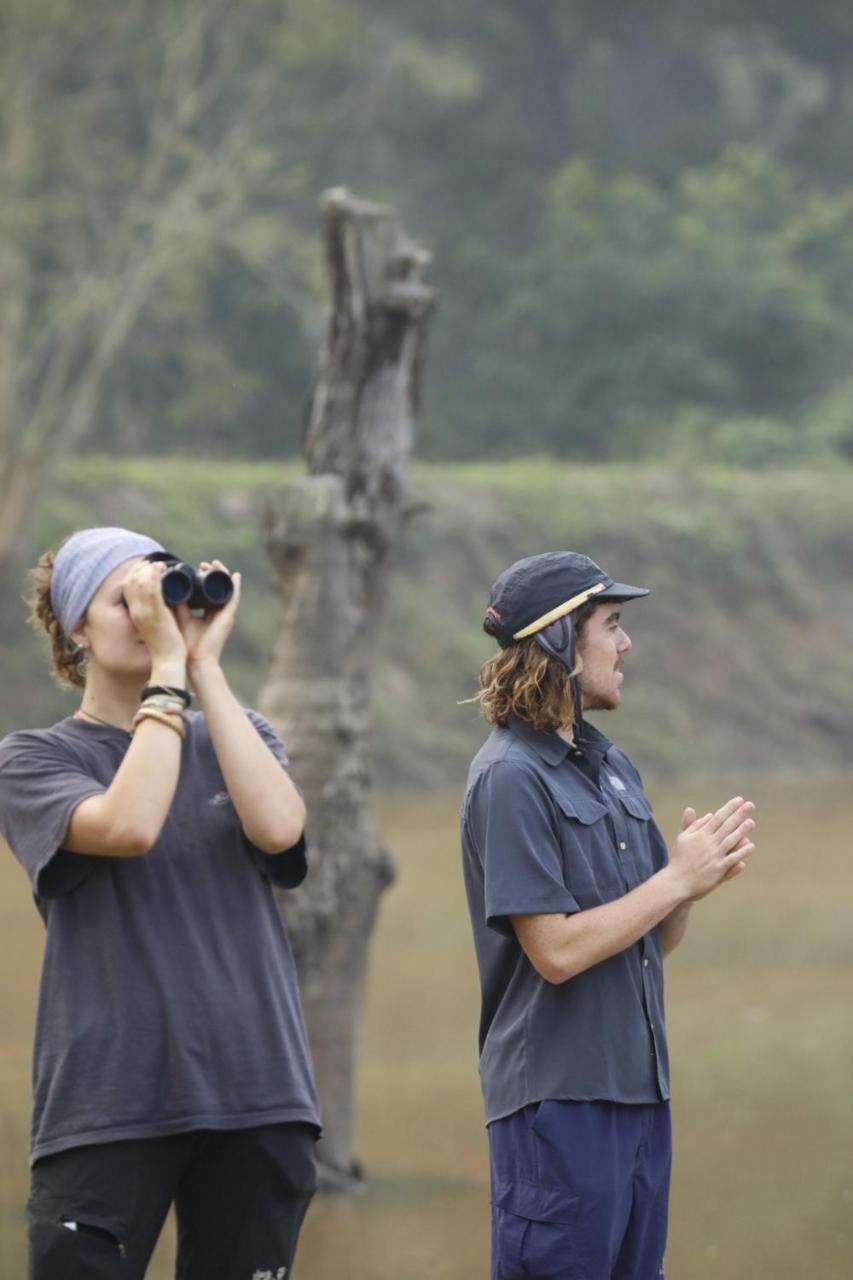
540	836
168	996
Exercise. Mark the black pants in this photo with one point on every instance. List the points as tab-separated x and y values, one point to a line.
96	1212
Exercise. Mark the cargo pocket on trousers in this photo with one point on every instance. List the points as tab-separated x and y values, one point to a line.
67	1244
103	1231
534	1230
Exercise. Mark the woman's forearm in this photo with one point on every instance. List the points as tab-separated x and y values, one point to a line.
268	805
127	819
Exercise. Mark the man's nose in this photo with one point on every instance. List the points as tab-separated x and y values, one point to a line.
625	645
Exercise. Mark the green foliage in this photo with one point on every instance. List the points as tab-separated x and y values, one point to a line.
633	220
737	652
638	304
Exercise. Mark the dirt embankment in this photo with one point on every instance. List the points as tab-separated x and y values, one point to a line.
743	655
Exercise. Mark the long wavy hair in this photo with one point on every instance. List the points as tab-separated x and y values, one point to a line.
67	659
525	681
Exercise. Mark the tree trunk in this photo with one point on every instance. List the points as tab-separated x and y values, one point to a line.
329	538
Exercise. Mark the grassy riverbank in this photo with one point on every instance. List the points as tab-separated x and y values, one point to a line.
742	656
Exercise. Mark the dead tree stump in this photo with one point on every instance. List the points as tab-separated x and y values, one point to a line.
329	538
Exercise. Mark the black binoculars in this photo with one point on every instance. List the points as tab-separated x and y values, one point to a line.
184	584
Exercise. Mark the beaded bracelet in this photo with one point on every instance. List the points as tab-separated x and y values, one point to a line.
167	706
169	691
150	713
170	705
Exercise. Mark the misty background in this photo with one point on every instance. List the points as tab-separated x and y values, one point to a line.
641	227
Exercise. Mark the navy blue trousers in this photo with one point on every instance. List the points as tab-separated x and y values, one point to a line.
580	1191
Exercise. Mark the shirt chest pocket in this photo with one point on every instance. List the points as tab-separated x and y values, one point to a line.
591	866
635	805
636	818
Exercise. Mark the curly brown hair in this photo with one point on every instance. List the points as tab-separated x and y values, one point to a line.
525	681
67	659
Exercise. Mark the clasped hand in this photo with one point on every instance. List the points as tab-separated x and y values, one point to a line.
714	848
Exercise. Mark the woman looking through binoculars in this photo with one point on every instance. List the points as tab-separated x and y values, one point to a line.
171	1063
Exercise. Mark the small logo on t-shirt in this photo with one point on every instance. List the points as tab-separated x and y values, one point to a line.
616	783
221	797
270	1275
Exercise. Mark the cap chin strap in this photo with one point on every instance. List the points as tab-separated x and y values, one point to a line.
578	722
560	610
563	612
566	655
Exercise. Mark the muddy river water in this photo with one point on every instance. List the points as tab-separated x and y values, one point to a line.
760	1010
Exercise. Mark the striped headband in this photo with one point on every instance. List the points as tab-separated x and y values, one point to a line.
84	561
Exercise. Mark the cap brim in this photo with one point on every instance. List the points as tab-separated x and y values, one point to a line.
622	591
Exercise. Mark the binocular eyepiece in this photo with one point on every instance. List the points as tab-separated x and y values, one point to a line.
184	584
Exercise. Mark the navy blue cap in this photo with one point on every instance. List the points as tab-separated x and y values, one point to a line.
535	591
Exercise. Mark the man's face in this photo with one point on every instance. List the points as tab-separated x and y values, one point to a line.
602	649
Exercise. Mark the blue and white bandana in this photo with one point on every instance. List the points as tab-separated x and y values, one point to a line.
84	561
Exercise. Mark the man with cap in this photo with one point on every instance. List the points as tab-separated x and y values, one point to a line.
575	899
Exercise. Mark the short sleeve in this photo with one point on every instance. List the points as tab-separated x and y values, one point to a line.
286	870
513	825
40	787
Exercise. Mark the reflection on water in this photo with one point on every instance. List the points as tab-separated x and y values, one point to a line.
759	1001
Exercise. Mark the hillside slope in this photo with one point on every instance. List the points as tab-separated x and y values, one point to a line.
742	656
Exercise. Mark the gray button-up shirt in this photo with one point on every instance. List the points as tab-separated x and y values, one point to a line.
539	836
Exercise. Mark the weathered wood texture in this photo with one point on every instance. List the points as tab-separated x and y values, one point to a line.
329	538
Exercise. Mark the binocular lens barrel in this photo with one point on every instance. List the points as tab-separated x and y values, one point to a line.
183	584
217	587
177	584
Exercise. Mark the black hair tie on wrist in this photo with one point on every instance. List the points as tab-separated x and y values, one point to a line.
151	691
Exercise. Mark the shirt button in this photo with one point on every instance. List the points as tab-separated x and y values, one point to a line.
645	962
622	844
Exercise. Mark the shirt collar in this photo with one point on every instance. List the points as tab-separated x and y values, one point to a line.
594	740
551	747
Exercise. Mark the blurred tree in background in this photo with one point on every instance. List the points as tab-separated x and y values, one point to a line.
727	293
148	223
641	220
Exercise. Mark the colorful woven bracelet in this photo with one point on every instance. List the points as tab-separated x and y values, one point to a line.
170	705
150	713
168	691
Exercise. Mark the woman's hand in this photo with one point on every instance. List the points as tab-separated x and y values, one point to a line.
149	613
205	636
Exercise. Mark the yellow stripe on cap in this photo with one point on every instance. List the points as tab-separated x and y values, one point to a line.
560	611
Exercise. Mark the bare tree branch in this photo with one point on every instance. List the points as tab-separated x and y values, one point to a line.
72	299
